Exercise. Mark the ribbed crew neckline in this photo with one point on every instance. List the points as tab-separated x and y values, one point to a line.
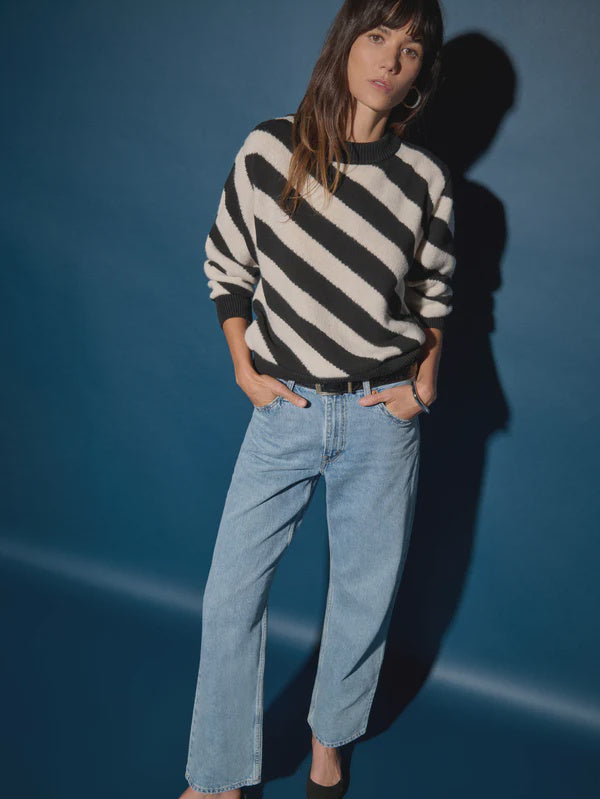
371	152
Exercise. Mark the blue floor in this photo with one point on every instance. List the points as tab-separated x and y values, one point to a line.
97	693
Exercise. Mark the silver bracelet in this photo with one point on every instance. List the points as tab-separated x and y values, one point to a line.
418	399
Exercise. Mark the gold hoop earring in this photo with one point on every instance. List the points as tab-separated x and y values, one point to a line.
418	100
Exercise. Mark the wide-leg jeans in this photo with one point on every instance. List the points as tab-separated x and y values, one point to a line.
369	458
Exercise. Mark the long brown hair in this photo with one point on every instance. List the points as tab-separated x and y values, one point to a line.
319	126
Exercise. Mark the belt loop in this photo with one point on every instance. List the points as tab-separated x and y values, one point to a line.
367	387
290	384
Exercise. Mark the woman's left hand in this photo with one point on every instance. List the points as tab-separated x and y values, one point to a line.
399	400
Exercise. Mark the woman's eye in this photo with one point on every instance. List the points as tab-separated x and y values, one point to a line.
371	36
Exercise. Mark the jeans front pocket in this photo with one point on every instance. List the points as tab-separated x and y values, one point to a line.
273	404
398	419
386	411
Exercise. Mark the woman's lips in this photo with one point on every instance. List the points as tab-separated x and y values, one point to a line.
381	85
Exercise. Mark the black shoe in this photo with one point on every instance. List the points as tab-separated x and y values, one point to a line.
316	791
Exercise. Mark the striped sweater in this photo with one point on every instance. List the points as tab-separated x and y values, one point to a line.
338	291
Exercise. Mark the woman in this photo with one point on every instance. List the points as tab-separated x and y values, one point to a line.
338	233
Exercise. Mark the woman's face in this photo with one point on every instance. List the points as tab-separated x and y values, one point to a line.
386	55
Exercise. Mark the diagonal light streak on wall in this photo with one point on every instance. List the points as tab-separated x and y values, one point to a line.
297	633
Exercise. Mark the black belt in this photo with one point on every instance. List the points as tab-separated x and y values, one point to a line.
350	386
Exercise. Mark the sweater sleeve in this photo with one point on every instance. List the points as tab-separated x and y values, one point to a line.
231	261
428	289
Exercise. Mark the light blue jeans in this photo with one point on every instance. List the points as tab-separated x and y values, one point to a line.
369	458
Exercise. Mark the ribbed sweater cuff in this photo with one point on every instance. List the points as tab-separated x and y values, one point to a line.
233	305
433	321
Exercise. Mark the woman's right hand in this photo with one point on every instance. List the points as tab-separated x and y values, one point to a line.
262	389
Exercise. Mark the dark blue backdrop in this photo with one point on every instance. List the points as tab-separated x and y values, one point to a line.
121	419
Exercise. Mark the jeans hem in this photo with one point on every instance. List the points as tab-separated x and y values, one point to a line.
230	787
343	741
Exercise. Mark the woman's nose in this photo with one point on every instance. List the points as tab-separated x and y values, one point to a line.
390	64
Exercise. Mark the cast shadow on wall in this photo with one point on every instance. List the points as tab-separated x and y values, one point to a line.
460	125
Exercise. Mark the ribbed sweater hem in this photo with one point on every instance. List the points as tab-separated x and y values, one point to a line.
388	367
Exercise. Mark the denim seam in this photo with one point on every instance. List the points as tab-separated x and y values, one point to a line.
258	712
326	426
194	714
363	727
326	460
374	689
324	637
